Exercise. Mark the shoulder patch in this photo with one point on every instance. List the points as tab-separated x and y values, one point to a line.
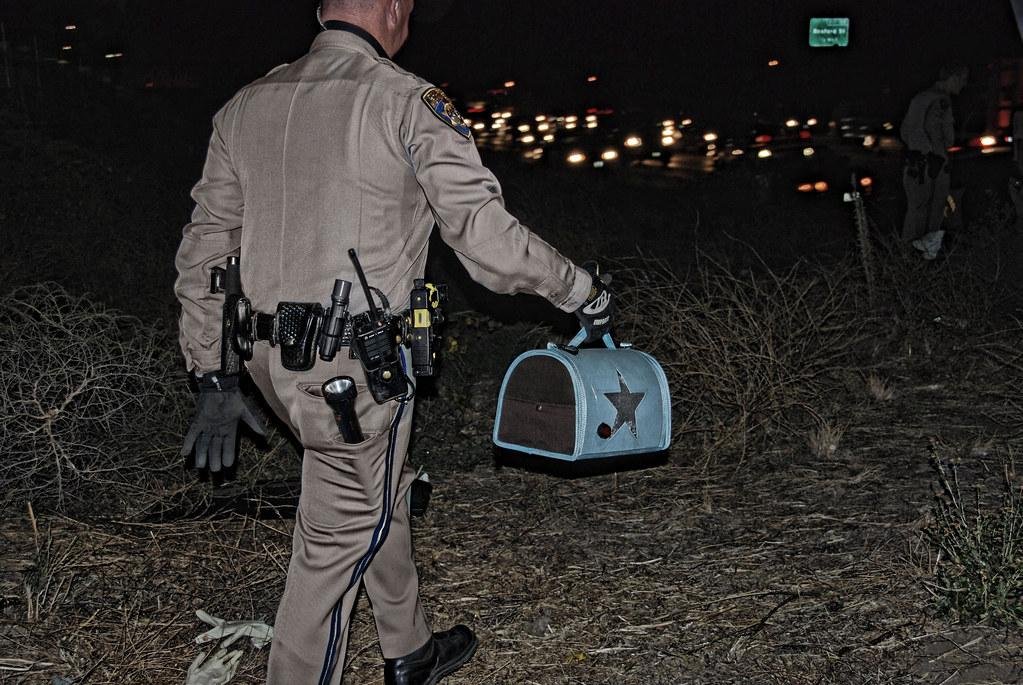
441	106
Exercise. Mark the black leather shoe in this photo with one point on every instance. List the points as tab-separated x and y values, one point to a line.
442	655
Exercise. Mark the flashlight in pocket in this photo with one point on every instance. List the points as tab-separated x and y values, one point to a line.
339	393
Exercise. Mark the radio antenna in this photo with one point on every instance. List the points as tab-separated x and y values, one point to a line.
362	279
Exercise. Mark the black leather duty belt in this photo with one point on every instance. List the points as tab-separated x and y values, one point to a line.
295	328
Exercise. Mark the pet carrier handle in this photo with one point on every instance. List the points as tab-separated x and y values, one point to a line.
580	337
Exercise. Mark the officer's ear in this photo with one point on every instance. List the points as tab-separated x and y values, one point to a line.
394	12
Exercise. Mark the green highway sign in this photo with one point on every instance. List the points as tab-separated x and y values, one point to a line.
828	32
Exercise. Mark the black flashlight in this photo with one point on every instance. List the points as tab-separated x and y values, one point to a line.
340	392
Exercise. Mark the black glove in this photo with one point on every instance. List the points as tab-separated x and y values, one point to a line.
214	429
596	313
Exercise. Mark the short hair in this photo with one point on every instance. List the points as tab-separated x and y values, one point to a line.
951	69
346	4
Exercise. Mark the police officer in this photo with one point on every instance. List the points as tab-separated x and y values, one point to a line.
928	132
343	149
1016	177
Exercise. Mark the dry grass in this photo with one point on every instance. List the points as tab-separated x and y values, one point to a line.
879	389
784	575
805	569
825	438
748	355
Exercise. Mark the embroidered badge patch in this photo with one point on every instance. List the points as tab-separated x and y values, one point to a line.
444	110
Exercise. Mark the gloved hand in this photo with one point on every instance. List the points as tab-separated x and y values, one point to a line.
259	632
214	429
597	311
214	669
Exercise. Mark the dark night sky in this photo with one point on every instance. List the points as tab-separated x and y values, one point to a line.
705	56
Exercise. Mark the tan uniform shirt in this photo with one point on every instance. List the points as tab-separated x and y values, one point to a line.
335	151
928	126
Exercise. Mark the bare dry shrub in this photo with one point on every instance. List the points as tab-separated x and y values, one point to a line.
879	389
747	356
955	292
88	395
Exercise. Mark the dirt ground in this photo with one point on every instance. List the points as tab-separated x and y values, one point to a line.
789	569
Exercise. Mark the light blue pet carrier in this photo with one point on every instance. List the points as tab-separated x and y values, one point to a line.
574	404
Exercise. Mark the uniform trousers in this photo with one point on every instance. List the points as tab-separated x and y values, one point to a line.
925	201
347	493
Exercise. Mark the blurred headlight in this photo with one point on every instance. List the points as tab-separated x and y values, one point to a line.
764	154
811	121
668	123
667	140
988	141
738	151
710	137
609	155
523	128
792	123
570	125
571	118
687	122
528	139
591	124
805	187
543	127
866	181
591	117
479	125
576	158
633	141
549	138
808	152
869	140
821	186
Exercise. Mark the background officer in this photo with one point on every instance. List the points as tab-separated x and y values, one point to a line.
928	131
1016	177
342	149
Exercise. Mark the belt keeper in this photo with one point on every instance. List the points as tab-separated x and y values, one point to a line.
264	328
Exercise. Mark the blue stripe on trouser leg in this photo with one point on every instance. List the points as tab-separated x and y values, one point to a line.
379	534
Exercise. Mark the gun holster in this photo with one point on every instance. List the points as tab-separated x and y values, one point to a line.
916	165
935	165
